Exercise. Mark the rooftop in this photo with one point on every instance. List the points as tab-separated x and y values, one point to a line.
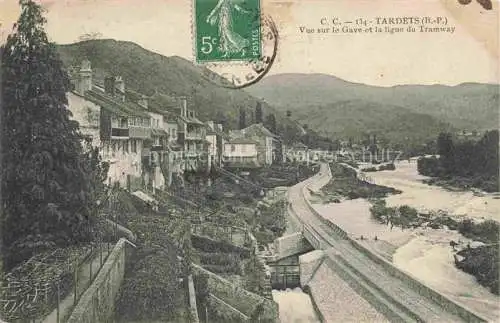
254	129
114	105
242	141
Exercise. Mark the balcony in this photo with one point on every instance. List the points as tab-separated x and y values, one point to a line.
193	135
158	147
140	132
192	153
120	133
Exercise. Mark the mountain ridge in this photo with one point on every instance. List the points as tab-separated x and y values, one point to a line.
149	73
465	105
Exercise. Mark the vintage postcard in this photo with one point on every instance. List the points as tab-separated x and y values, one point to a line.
249	161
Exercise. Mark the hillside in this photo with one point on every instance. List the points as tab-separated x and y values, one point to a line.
150	73
468	105
352	118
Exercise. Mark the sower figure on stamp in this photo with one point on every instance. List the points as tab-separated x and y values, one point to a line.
230	42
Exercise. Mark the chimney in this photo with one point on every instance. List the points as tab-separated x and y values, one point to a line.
219	127
109	85
84	78
143	102
120	87
183	100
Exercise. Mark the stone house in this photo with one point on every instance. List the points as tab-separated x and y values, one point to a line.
119	127
241	153
216	139
267	142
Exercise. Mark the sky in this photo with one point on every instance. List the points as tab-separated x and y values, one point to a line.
470	54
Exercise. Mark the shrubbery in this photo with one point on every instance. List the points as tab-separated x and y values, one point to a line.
218	262
482	262
151	288
346	183
390	166
487	231
403	216
465	164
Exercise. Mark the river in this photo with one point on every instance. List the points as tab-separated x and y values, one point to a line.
295	306
427	197
424	253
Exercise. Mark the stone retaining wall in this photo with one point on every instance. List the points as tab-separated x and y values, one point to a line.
450	306
237	297
98	302
192	300
218	305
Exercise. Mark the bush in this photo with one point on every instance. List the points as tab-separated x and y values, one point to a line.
429	166
487	231
482	262
379	211
210	246
219	262
264	236
150	287
390	166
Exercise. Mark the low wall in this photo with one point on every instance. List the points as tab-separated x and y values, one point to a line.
121	230
98	302
192	300
237	297
218	305
308	265
450	306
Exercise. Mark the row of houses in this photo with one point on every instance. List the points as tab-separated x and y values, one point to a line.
143	138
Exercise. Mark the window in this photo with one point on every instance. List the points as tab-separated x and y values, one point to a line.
125	146
133	145
233	148
113	146
123	123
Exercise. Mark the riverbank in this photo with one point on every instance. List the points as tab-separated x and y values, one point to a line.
417	194
423	252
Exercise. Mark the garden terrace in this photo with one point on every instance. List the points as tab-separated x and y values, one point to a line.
282	175
50	283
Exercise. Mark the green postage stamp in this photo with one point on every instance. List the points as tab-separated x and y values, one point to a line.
227	30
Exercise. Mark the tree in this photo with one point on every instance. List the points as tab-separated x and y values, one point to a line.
271	123
47	177
221	119
487	154
446	150
243	119
486	4
90	49
259	117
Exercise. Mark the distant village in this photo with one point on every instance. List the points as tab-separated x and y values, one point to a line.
142	140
